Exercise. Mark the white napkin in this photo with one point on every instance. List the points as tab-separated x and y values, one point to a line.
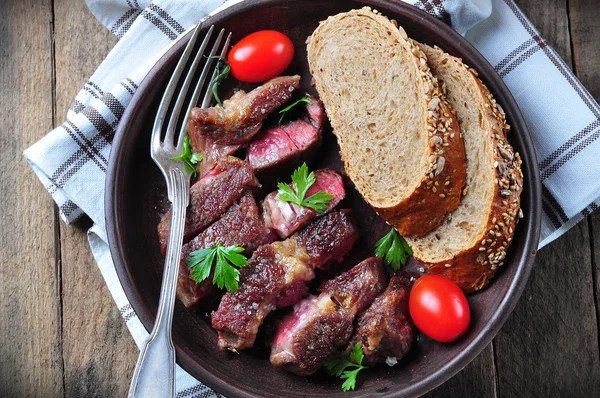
562	116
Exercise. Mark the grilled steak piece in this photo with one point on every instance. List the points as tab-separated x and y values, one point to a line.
385	330
274	273
285	218
328	238
280	149
221	130
291	294
319	326
315	330
240	225
211	196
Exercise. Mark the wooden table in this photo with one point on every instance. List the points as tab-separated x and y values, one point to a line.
60	331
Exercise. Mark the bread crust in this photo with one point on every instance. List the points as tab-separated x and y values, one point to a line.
473	267
444	173
440	190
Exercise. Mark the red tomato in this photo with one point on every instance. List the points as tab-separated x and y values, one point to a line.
260	56
439	308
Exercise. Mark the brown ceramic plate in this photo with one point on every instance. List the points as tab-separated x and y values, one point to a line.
136	197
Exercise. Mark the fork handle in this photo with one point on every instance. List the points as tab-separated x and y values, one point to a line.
154	374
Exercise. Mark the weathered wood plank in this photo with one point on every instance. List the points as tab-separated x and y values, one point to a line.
594	222
30	346
549	345
584	16
99	353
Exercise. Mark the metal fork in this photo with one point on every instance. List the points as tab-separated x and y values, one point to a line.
154	374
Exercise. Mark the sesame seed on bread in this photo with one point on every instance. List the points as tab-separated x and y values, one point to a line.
398	135
471	242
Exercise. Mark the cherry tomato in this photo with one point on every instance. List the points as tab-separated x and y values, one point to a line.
439	308
260	56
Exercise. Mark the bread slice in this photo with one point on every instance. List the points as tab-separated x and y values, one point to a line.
471	242
398	136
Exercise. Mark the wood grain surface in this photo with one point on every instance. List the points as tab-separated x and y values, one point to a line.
62	335
89	326
584	18
30	326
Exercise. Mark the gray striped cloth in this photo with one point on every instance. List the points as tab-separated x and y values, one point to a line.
562	116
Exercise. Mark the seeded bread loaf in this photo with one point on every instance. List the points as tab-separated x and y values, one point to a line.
471	243
398	136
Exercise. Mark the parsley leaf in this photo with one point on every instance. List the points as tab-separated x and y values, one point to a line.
227	260
302	181
286	193
201	263
394	249
350	376
357	354
188	158
319	201
285	110
338	364
222	71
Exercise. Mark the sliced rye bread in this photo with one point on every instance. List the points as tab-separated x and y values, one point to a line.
472	241
399	139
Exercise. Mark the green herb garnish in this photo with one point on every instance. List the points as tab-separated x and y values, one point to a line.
285	110
188	158
303	180
337	364
227	260
221	75
393	249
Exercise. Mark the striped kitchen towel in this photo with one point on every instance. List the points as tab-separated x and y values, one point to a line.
563	118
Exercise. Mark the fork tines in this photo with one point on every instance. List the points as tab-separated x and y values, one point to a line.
173	142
